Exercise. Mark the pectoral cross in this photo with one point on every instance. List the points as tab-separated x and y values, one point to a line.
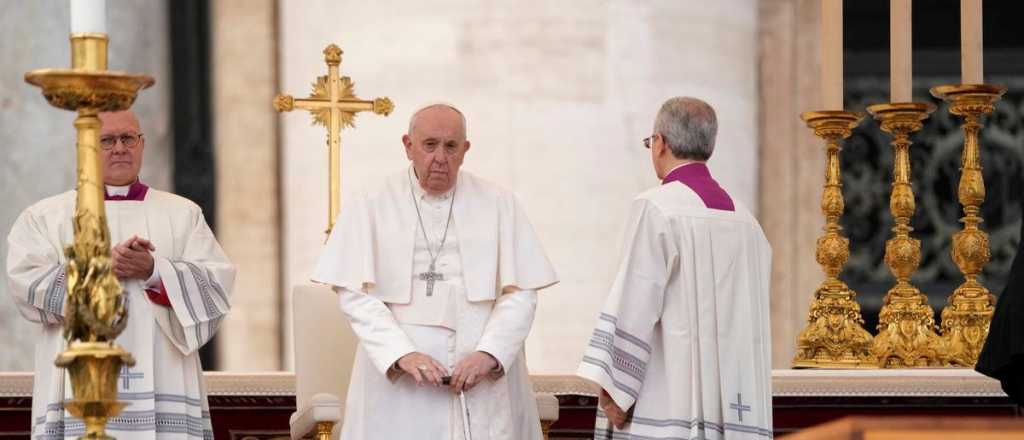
430	277
334	105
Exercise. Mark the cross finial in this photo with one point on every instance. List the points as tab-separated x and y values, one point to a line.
332	55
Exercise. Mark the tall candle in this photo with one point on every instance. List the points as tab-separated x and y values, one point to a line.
900	65
970	42
88	16
832	54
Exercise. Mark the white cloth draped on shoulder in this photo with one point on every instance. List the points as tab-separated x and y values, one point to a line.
684	338
490	267
165	391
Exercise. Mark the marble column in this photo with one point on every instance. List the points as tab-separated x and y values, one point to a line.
37	141
244	72
792	163
557	95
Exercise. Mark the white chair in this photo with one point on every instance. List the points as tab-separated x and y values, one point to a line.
325	348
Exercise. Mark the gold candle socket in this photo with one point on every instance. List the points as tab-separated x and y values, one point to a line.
95	311
834	336
906	323
968	313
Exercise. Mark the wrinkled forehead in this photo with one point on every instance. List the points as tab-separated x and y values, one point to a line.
119	122
438	121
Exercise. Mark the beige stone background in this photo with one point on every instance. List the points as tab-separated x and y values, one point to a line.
558	96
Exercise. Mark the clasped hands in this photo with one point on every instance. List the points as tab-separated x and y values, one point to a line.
467	373
132	258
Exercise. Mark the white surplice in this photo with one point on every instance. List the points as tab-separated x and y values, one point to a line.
165	389
684	338
492	264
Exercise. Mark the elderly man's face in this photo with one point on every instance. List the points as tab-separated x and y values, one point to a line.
121	146
436	146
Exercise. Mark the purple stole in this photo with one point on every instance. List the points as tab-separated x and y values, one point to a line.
697	177
136	193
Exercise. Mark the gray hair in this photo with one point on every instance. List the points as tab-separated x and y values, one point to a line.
415	115
688	126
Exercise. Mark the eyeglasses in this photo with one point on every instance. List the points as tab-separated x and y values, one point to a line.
649	140
128	140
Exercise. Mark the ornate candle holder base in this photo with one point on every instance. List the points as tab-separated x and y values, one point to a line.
94	368
834	336
906	323
906	336
966	317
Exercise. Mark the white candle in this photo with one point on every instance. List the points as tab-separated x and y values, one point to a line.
900	65
88	16
970	42
832	54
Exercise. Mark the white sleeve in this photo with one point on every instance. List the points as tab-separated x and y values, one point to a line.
154	280
199	284
378	331
36	274
508	326
620	347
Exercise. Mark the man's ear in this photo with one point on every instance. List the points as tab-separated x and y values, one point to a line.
408	146
467	147
659	147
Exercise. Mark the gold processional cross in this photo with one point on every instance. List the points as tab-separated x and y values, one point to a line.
334	105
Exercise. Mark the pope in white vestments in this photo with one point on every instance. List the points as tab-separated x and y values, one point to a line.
682	347
176	279
437	271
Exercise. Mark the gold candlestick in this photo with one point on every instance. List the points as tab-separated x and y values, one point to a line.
968	313
95	312
834	336
906	323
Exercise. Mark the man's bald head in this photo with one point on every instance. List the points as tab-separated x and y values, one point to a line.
121	119
437	111
436	144
121	147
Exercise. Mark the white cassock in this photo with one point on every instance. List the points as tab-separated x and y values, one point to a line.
684	337
493	266
165	389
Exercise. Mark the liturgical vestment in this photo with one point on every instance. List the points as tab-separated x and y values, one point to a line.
684	338
1002	357
492	266
192	278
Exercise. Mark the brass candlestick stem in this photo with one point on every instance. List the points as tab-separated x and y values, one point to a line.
834	336
906	323
968	313
95	313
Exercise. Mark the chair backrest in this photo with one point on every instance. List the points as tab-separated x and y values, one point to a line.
325	345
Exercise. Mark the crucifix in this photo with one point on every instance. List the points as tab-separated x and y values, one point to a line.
333	105
431	276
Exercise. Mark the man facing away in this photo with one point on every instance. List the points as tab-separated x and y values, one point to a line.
682	348
438	272
177	284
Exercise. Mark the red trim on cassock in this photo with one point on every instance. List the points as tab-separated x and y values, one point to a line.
159	297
